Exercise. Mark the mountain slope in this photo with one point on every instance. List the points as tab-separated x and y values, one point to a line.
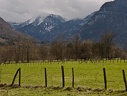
7	34
112	17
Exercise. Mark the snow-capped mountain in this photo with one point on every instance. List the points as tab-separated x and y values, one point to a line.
38	26
44	18
47	27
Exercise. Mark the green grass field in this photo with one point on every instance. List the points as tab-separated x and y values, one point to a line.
87	75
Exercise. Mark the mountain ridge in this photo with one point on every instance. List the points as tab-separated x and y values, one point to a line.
112	16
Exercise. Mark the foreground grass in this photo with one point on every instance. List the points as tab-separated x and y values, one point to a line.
22	91
86	75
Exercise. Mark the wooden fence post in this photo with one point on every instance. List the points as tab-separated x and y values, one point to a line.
105	79
19	70
45	78
63	80
73	77
19	76
124	79
0	75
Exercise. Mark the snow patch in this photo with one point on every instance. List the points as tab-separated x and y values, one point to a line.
49	28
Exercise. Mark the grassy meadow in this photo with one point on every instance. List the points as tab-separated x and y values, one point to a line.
88	76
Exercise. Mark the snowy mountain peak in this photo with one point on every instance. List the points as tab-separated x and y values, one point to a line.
37	20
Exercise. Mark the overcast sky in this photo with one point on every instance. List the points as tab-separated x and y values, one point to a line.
22	10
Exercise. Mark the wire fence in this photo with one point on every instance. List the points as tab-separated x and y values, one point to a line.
67	74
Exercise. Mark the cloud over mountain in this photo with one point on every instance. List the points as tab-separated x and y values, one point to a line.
21	10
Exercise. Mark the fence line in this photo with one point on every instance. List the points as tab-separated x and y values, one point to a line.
72	78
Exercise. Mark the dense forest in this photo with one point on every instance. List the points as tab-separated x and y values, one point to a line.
60	49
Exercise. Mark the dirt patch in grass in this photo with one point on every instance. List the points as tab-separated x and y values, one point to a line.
98	90
2	85
83	89
69	90
54	88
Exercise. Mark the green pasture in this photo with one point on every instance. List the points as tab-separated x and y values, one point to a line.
87	75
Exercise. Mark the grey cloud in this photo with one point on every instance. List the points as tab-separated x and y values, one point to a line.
21	10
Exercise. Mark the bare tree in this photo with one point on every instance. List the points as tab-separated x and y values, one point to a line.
87	49
57	48
106	43
43	51
76	43
22	49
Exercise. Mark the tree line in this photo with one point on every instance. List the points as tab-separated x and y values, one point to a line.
60	49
